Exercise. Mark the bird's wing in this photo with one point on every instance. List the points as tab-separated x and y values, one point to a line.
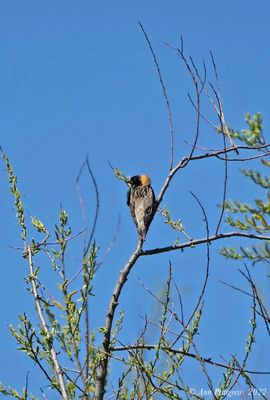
148	203
128	198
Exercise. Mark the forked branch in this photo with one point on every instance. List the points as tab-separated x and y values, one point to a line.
106	343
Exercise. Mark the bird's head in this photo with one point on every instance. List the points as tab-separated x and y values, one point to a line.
140	180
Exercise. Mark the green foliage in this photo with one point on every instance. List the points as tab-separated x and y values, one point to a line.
63	341
253	135
224	386
39	225
61	318
117	328
257	178
10	392
26	337
157	373
227	383
120	175
177	225
253	219
62	232
16	195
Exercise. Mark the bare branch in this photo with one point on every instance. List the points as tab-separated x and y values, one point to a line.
196	242
220	111
264	154
185	160
180	301
169	111
87	245
103	364
206	271
198	92
207	360
225	182
109	248
93	179
263	313
250	340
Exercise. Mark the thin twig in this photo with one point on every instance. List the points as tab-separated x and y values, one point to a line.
264	313
87	247
221	113
37	361
151	375
93	179
245	158
74	380
206	270
230	149
225	182
109	248
207	360
198	92
169	111
180	301
72	330
26	384
204	370
161	302
251	335
196	242
97	206
185	160
43	394
236	288
55	363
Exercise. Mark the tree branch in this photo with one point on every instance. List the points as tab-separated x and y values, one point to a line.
191	355
56	366
196	242
206	273
166	97
184	161
106	348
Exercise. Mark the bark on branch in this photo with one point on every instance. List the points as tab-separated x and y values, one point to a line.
55	363
196	242
106	344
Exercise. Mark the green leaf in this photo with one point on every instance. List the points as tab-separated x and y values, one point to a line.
39	225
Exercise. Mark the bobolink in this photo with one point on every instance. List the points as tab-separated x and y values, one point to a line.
141	200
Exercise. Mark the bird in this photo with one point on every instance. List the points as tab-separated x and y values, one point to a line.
141	201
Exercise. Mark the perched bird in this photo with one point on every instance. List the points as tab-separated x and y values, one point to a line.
141	201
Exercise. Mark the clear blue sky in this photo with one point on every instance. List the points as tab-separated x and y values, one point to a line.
78	78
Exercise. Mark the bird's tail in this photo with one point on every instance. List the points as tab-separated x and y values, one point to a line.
142	232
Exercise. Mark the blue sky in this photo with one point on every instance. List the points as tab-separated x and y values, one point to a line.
79	79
